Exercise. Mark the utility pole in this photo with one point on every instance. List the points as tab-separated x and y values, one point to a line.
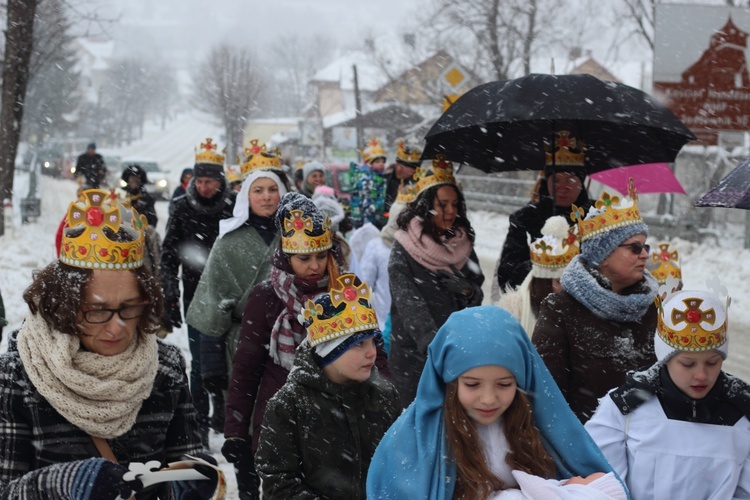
358	109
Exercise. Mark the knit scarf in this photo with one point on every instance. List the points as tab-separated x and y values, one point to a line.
453	252
101	395
287	332
592	289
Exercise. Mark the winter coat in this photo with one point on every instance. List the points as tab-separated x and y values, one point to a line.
515	262
238	261
92	169
3	321
373	270
588	355
191	231
318	437
255	377
145	204
36	442
642	429
419	306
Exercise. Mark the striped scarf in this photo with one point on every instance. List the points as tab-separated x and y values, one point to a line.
287	332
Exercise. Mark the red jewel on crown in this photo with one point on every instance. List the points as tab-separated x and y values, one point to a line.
350	294
693	316
94	216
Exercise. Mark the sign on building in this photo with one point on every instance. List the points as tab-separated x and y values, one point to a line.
701	67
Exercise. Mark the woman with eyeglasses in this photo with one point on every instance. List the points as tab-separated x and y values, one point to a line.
600	326
87	389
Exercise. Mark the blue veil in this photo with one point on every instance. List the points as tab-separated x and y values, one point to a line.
412	460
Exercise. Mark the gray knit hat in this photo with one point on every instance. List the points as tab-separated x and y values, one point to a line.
607	225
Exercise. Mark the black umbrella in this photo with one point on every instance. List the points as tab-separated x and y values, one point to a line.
501	126
733	191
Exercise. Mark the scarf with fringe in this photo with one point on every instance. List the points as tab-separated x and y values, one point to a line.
287	332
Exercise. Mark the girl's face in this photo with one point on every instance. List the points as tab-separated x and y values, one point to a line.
485	392
310	266
695	373
624	267
355	365
445	208
316	178
110	290
264	197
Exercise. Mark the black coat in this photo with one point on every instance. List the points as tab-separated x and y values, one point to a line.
92	169
419	306
192	229
318	437
145	204
515	262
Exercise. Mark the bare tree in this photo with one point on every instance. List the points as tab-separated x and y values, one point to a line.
19	40
504	32
297	58
228	85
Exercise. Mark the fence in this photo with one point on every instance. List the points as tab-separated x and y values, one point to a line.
504	195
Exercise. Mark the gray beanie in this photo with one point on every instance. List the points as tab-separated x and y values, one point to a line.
310	167
608	224
598	248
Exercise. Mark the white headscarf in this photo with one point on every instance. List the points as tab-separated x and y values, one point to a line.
241	210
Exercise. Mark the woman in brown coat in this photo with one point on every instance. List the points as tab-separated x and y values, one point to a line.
601	325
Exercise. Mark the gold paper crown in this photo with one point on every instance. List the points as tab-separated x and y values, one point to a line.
208	153
406	194
567	150
299	241
91	222
355	317
407	154
552	253
609	212
232	174
440	173
691	321
373	149
667	264
257	157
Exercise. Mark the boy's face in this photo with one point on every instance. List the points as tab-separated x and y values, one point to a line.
355	365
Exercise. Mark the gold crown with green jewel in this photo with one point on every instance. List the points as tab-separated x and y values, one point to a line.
609	212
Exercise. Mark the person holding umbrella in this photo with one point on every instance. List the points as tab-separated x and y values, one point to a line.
600	326
563	186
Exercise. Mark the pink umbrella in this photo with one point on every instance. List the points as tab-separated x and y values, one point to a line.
648	178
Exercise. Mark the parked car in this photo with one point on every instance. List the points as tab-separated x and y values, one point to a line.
337	176
158	183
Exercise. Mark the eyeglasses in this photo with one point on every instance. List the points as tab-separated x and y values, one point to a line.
637	247
97	316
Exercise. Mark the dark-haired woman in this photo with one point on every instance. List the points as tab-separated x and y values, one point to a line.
85	378
433	271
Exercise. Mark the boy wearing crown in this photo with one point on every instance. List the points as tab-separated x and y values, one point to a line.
408	159
680	428
192	228
321	428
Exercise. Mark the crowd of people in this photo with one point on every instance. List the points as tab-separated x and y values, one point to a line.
343	351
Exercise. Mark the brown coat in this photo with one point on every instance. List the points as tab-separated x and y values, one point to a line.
588	355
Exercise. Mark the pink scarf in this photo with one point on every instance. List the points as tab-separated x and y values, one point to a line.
435	256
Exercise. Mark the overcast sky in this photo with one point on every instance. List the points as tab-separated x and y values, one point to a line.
258	21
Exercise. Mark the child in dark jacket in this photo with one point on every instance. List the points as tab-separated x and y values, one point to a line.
321	429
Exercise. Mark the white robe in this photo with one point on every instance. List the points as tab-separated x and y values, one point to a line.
665	459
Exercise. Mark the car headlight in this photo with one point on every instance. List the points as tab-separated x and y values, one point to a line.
72	170
46	164
162	183
123	183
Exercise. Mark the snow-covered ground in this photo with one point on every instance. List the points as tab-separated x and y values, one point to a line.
32	246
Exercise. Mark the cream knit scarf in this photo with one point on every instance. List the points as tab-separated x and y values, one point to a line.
101	395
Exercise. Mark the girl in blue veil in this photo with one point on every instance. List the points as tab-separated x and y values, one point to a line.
485	388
